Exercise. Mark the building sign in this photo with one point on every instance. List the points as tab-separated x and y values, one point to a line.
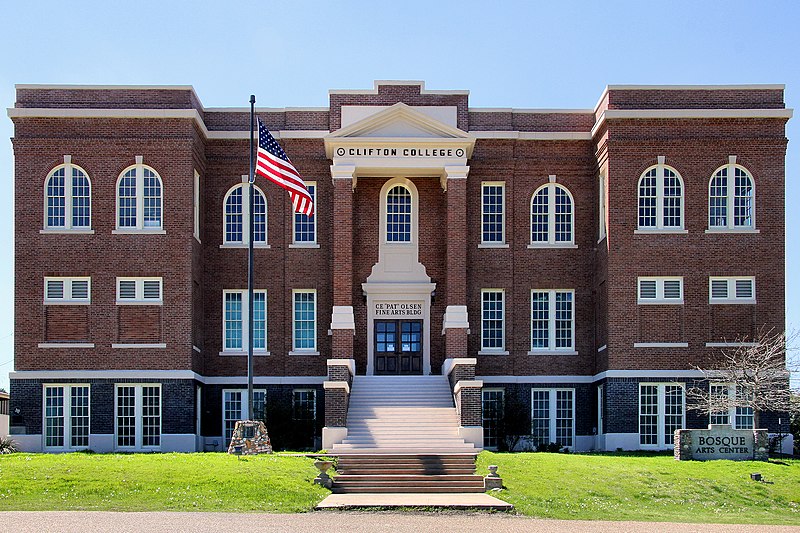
721	442
423	152
398	310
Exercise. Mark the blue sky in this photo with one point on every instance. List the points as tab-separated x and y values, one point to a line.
507	54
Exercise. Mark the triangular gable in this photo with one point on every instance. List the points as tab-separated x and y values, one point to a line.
399	121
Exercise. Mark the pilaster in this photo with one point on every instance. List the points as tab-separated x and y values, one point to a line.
455	324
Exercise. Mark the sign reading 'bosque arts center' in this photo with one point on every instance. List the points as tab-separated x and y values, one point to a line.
721	442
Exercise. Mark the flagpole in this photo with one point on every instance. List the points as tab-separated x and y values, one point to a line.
250	414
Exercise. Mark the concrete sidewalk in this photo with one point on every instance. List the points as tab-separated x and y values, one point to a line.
334	521
452	500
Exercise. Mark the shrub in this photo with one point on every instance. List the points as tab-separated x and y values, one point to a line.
8	445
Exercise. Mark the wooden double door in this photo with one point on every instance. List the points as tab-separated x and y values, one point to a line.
398	346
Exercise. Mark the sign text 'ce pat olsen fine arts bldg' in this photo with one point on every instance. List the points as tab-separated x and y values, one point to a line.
571	264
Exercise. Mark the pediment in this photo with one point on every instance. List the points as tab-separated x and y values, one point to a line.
399	122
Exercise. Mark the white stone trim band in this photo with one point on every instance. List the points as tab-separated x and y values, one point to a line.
336	385
450	364
467	384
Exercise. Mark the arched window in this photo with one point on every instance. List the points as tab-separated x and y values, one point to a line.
68	198
660	198
139	199
398	214
552	216
236	208
731	199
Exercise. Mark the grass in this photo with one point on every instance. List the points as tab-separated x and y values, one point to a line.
637	486
647	487
158	482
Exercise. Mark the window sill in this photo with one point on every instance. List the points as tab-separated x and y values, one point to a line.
240	353
660	344
660	231
304	352
66	345
66	302
197	239
301	245
493	245
659	302
65	231
139	345
731	302
731	344
493	352
548	245
140	302
733	230
244	245
138	231
552	352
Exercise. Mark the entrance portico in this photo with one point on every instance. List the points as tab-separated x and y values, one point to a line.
398	142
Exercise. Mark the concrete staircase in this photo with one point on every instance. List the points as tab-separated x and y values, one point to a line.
402	436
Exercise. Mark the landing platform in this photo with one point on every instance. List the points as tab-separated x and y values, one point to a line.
455	500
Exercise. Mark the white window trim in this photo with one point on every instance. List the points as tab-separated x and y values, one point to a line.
551	218
663	441
659	227
139	229
731	201
245	242
659	299
502	241
551	324
552	406
196	205
67	292
139	299
138	415
732	299
314	410
306	244
494	351
68	200
304	351
245	324
731	392
245	402
67	416
601	208
388	186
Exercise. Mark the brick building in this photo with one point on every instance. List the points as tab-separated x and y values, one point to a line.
572	264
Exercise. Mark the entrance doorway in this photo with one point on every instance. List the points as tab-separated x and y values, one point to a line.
398	346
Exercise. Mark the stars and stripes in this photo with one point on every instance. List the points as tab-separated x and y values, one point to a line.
273	164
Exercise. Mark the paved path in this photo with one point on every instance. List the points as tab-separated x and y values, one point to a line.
452	500
332	521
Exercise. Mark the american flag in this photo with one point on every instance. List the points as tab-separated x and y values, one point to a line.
273	163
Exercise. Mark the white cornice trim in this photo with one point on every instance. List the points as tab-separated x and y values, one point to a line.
165	374
618	114
261	109
535	379
530	110
336	385
745	87
661	374
68	86
534	135
467	384
282	134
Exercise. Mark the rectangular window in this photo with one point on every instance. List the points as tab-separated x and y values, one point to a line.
493	213
62	290
739	415
305	320
553	417
661	412
234	403
304	404
66	416
196	205
235	320
552	320
142	291
305	227
732	290
492	417
660	290
138	416
493	319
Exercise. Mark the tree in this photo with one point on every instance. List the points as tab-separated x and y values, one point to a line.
755	370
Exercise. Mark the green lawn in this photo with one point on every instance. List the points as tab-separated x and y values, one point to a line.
158	482
647	487
592	487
